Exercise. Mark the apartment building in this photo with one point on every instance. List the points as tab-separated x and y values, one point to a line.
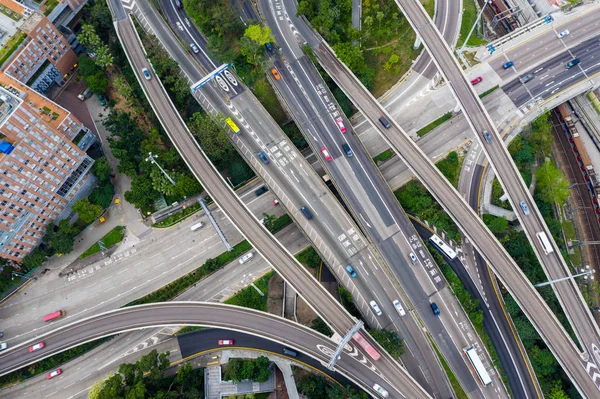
41	169
43	163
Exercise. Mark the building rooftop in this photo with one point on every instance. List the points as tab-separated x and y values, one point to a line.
8	103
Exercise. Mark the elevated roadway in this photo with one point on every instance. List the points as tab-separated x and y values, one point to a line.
271	250
507	173
530	301
353	363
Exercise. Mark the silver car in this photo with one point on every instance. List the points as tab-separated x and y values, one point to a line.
380	390
524	208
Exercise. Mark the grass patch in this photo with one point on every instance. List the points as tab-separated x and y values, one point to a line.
450	167
189	329
468	19
266	96
50	5
280	223
309	257
49	363
426	129
11	45
460	394
178	216
250	298
384	156
176	287
489	91
10	13
113	237
568	229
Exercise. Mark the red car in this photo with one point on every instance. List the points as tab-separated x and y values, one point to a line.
478	79
53	374
225	342
340	123
326	154
36	347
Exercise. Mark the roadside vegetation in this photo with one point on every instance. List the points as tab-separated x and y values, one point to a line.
469	16
249	296
256	370
428	128
316	386
146	379
111	238
381	52
178	216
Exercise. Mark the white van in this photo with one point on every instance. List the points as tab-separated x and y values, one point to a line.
399	307
197	226
246	258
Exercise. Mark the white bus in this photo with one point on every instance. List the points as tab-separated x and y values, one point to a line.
482	373
442	246
546	245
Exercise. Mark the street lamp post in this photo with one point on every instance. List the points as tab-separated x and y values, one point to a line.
153	160
17	274
584	272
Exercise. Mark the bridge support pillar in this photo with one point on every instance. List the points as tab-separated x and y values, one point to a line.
359	324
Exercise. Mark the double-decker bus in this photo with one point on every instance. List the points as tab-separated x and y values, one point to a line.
232	125
482	373
53	316
366	346
543	239
442	246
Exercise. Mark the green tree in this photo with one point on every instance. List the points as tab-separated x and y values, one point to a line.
87	67
259	34
497	225
556	392
319	325
98	50
97	83
551	181
87	211
269	221
142	194
540	136
352	56
389	340
102	170
211	137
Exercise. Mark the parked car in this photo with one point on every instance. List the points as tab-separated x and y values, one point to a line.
194	48
36	347
351	271
263	157
102	100
53	374
375	307
508	64
478	79
524	208
326	154
380	390
340	124
435	309
225	342
146	73
563	33
276	74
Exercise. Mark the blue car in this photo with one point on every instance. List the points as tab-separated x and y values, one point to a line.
435	309
263	157
508	65
351	271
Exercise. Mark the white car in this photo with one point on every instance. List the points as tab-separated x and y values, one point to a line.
380	390
146	73
246	258
399	307
563	33
375	307
3	346
413	258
